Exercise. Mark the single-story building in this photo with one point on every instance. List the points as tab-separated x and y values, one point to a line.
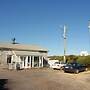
27	56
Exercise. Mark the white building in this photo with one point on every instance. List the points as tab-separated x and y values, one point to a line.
84	53
28	56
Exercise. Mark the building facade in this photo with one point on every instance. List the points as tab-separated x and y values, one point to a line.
27	56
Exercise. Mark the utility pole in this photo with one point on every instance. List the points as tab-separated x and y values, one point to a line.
64	36
89	31
89	25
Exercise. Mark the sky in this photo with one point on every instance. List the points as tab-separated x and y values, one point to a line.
41	22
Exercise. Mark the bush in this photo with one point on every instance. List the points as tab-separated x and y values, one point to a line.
70	58
84	60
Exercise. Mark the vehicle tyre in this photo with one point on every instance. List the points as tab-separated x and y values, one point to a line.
62	68
86	69
54	68
76	71
64	71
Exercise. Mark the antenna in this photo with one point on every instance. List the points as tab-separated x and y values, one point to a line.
14	40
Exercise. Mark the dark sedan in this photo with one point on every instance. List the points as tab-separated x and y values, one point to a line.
75	67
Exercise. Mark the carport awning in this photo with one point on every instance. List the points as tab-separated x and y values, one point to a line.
27	53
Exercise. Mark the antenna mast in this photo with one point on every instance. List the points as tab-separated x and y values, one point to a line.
14	40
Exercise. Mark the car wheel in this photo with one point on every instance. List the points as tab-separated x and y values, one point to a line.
61	68
86	69
76	71
64	71
54	68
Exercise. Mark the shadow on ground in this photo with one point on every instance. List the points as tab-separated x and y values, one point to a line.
3	84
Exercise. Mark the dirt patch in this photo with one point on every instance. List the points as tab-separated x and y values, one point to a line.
46	79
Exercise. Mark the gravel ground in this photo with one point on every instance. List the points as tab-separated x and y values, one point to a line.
45	79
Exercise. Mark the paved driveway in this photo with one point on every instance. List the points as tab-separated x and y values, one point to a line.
45	79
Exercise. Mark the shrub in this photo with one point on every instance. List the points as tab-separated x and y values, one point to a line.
84	60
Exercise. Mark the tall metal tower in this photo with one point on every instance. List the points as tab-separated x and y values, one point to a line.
64	36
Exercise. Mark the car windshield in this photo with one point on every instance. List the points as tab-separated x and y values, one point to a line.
69	65
57	63
75	64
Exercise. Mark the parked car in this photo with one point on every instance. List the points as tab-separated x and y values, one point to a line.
75	68
58	65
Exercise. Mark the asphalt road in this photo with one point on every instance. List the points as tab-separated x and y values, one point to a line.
45	79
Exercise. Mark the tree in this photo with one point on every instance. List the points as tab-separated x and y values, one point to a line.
72	58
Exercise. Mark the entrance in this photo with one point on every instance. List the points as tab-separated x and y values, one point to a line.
8	59
36	61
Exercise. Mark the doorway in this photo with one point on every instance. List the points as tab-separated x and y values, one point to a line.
36	61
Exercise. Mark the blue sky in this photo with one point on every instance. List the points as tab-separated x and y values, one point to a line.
40	22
